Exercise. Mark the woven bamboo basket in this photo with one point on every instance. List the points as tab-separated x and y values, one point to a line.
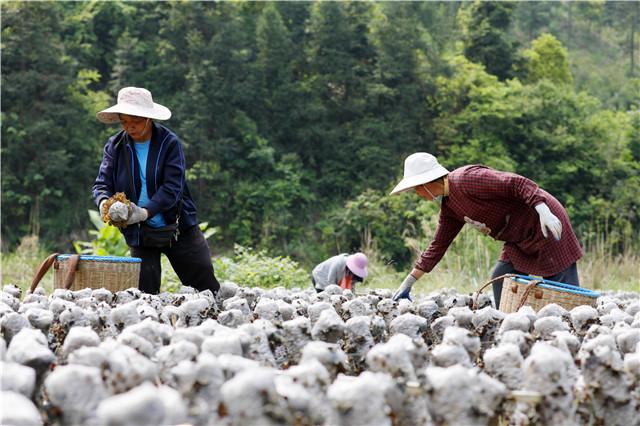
75	272
522	290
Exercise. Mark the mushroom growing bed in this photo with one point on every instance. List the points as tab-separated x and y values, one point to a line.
252	356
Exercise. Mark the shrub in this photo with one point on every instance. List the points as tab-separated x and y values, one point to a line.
252	268
107	241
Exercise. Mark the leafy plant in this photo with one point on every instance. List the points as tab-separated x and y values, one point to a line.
252	268
108	240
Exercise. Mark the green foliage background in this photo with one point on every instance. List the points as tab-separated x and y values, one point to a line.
296	116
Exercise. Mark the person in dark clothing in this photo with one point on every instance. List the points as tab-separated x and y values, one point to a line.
146	162
535	227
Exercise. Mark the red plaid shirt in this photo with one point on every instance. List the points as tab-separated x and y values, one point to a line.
505	203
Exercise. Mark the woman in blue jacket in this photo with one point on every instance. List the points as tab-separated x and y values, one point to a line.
145	161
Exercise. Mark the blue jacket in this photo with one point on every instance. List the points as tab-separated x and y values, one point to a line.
165	178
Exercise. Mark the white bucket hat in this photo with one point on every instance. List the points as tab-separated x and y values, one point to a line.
419	168
134	101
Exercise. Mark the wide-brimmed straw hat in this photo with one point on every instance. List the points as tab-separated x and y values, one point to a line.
419	168
357	263
134	101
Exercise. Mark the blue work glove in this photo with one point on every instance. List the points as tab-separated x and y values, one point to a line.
405	288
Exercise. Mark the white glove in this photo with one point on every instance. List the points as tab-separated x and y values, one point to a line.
118	212
549	221
405	288
138	214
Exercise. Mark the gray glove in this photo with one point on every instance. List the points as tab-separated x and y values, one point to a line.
138	214
403	292
120	212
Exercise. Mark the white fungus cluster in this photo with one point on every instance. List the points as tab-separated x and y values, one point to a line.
249	356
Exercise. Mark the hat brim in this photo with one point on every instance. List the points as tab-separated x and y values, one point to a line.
413	181
361	272
111	114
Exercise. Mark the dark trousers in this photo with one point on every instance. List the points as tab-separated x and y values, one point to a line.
568	276
190	257
313	282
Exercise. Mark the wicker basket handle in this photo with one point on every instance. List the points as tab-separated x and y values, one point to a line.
475	297
527	290
74	259
42	269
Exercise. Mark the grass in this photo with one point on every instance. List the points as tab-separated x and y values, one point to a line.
619	273
468	263
466	266
20	266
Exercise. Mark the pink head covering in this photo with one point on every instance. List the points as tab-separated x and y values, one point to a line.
357	263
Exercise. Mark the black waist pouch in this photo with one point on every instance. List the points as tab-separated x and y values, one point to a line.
162	237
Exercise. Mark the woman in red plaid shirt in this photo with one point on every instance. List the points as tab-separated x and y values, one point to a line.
538	238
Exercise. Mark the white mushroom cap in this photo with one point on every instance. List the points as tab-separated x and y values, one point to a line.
545	369
144	405
462	337
459	395
245	396
29	347
552	310
583	316
357	307
463	316
315	309
17	378
504	363
126	314
268	309
409	324
227	290
170	355
632	365
76	390
330	355
361	399
628	340
545	326
329	327
12	290
615	316
12	323
79	337
393	357
447	355
224	342
515	321
18	410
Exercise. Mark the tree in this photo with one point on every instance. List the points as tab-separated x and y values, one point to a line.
46	157
627	16
399	119
274	68
547	59
486	37
331	97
